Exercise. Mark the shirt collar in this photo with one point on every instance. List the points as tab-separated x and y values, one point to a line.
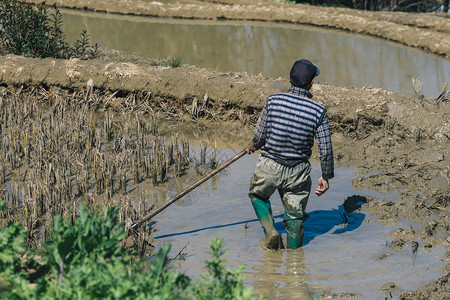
300	92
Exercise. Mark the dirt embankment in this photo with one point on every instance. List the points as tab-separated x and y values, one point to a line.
132	74
430	32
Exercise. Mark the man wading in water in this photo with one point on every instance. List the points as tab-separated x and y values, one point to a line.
285	134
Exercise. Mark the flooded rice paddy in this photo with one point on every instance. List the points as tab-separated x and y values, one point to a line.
344	250
60	150
344	59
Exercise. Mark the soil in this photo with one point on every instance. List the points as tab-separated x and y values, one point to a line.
398	142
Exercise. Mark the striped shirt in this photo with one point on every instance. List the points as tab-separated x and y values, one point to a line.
287	126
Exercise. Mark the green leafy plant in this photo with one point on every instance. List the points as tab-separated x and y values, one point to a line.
91	235
84	260
36	31
24	29
12	246
116	278
220	282
13	258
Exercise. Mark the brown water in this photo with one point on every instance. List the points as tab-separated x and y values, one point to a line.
270	49
335	256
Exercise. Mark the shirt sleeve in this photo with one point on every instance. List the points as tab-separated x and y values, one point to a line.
323	137
259	139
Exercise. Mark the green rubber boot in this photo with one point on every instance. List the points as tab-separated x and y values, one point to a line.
295	232
264	214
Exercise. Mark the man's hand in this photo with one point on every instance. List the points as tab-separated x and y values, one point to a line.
250	148
322	186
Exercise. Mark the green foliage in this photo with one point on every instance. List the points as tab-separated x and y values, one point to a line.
12	249
91	235
221	283
115	279
81	47
12	245
393	5
35	31
24	29
84	261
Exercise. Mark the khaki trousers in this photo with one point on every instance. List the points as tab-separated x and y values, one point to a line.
293	184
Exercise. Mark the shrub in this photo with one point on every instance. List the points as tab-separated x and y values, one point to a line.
85	261
116	278
12	246
91	235
36	31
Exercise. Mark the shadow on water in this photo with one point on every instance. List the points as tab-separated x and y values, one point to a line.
318	222
204	228
341	244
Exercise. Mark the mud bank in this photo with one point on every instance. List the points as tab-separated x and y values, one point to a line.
398	142
356	112
430	32
132	74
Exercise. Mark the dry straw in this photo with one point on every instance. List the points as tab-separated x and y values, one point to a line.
60	149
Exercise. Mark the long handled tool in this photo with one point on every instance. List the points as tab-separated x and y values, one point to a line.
190	188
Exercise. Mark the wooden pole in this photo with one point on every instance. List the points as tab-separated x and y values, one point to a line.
190	188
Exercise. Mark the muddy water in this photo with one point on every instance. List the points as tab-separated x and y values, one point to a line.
345	60
352	258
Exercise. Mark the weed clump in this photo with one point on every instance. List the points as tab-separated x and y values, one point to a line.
36	31
171	61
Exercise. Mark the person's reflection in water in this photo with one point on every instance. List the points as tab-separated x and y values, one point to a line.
284	275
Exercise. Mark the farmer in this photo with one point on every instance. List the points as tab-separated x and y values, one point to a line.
285	134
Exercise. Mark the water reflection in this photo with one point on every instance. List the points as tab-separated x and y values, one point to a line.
285	275
345	60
